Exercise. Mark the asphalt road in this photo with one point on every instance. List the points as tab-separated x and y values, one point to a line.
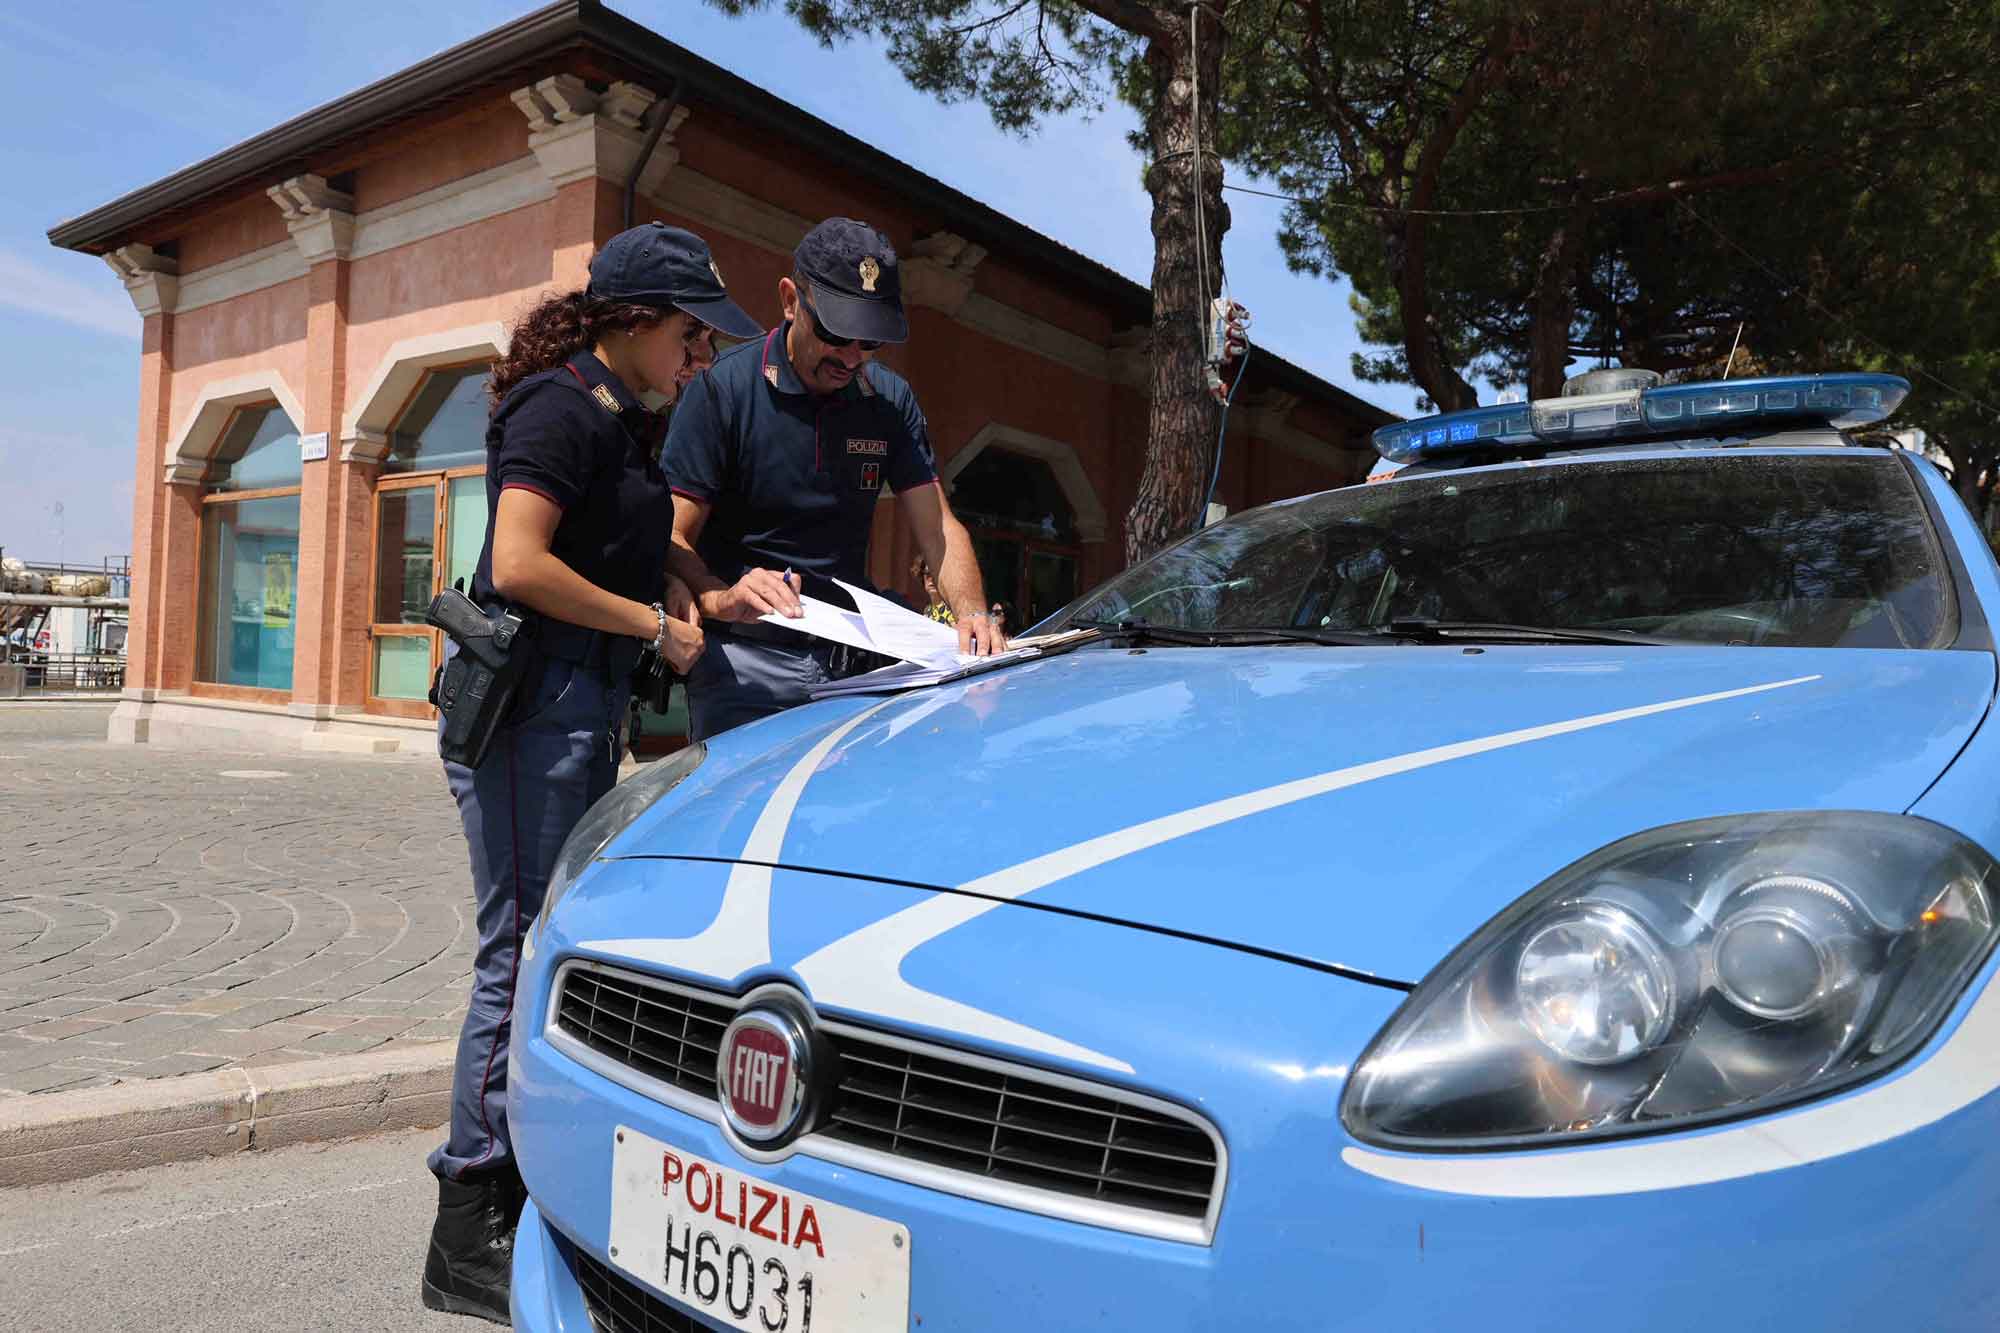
323	1236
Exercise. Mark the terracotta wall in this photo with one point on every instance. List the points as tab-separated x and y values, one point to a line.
437	152
491	270
261	330
251	222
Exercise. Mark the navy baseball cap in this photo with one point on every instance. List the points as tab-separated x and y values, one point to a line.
857	287
664	266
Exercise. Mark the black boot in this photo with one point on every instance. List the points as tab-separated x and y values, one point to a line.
472	1245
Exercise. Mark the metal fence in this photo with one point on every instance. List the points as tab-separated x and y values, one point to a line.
63	673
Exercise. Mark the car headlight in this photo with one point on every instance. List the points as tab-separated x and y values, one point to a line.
614	811
1705	970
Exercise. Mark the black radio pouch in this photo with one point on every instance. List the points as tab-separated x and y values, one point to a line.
475	688
653	682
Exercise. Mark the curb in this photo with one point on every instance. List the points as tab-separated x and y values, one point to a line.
61	1136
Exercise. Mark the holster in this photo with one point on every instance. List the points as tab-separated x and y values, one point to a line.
474	689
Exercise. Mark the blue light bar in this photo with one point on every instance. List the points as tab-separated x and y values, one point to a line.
1853	399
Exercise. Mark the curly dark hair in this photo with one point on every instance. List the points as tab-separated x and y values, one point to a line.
559	328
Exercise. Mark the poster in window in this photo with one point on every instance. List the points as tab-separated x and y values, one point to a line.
278	587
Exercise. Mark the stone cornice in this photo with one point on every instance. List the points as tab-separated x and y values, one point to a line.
938	272
320	218
711	203
578	134
358	445
151	279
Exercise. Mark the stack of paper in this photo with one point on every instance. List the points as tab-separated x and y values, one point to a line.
927	651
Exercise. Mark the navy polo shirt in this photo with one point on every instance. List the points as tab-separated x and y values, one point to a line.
793	477
577	436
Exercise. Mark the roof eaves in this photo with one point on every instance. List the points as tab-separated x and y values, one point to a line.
447	75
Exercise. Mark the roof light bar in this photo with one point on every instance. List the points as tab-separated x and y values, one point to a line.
1853	399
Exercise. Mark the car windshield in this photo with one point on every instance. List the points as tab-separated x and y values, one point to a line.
1795	550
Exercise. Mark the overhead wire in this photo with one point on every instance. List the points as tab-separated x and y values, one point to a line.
1408	212
1847	325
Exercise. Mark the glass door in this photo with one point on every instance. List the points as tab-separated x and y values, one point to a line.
429	529
407	536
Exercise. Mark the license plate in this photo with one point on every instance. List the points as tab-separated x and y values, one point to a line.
748	1254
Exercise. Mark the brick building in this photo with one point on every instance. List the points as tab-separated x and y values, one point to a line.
321	303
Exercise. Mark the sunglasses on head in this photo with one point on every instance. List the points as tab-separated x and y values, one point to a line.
828	336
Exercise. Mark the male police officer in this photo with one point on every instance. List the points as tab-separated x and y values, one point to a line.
776	457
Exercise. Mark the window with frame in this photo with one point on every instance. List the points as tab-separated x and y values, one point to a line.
1023	530
249	553
430	523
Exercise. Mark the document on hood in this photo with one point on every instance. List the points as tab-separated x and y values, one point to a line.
899	676
927	651
880	626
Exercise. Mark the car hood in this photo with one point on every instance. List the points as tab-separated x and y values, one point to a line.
1362	808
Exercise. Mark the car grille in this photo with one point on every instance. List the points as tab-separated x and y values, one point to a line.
617	1305
1019	1129
665	1034
927	1105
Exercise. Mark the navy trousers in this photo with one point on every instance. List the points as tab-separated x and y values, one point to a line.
740	679
751	671
542	771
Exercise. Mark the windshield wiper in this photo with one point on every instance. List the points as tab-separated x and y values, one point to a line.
1482	631
1176	636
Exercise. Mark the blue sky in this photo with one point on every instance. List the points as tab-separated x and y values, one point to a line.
110	114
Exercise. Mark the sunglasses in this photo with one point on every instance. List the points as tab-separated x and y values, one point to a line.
828	336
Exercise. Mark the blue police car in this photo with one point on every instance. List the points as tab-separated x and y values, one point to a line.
1553	887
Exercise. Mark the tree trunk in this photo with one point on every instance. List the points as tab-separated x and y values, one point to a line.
1552	308
1406	238
1965	478
1181	431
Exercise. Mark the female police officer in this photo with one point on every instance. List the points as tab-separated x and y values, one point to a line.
578	517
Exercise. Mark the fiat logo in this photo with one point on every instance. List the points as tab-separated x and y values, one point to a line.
761	1074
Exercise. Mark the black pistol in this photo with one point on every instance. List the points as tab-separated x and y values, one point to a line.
474	688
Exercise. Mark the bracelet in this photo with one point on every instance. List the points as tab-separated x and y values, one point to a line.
660	637
976	615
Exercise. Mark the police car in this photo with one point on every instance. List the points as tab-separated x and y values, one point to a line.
1552	887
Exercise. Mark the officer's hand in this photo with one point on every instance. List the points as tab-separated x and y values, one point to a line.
683	645
679	602
757	593
979	636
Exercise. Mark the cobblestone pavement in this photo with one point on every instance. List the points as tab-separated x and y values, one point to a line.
167	912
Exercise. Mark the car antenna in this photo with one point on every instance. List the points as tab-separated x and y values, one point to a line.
1732	350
